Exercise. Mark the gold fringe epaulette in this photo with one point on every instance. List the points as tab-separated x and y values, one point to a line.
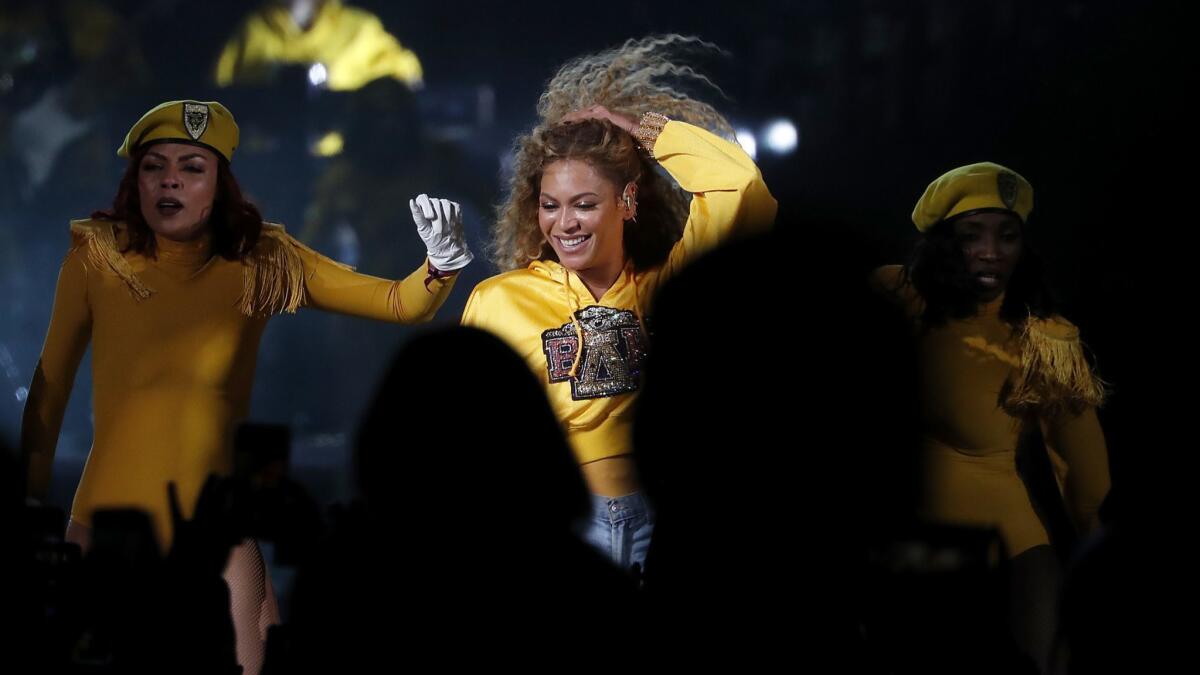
104	254
273	280
1055	376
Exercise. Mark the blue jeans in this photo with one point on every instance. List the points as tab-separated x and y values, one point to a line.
620	528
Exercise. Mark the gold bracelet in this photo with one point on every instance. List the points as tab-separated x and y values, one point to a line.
648	129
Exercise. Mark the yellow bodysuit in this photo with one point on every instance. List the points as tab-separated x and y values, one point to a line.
969	440
174	344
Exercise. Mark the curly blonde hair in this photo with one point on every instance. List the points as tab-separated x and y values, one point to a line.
637	77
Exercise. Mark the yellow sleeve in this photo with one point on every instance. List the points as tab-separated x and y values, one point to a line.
470	312
1079	456
66	340
231	64
366	52
227	62
334	287
888	282
729	197
382	55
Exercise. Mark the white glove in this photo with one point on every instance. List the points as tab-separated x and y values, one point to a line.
439	222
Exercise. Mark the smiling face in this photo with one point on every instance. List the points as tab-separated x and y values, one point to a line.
582	216
991	246
177	184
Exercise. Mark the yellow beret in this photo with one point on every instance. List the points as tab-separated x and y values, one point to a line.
206	123
974	187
